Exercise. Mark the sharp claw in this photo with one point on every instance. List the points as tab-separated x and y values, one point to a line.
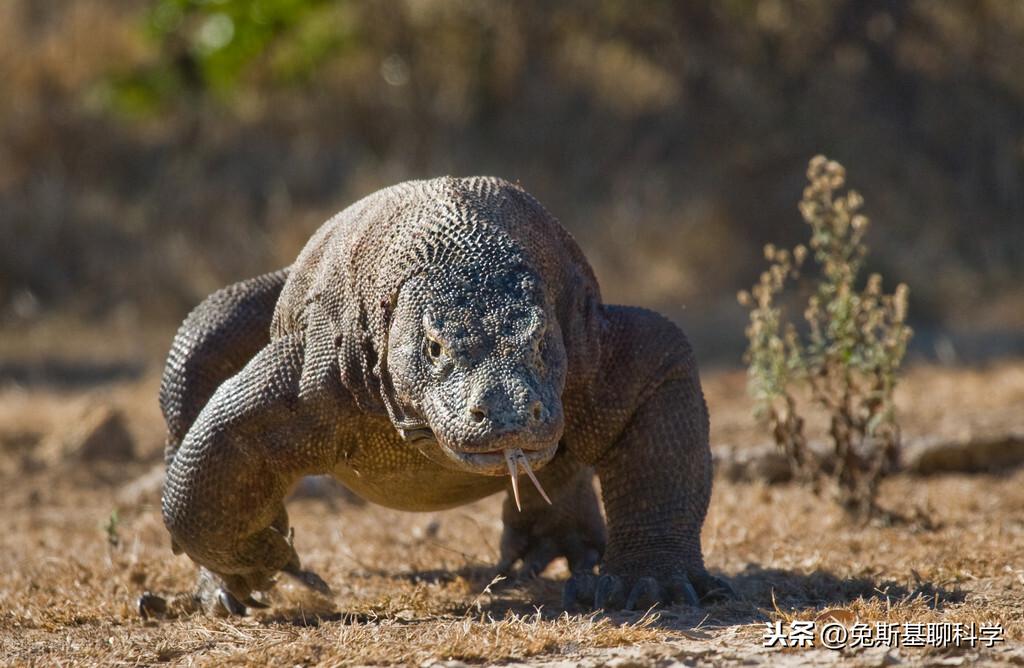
682	591
609	593
719	591
251	602
309	580
151	605
229	603
510	460
521	458
646	592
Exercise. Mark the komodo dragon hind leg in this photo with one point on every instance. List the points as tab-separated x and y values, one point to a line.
569	526
215	341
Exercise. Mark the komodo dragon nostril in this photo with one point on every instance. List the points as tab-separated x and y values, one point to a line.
477	414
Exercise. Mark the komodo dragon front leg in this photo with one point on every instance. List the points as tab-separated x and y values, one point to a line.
262	430
655	476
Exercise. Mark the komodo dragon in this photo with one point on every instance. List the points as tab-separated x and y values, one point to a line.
431	339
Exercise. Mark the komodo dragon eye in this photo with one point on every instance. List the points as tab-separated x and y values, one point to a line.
434	350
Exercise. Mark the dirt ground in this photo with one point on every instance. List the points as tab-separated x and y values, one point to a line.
83	539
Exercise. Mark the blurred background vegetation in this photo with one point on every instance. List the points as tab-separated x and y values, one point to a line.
151	152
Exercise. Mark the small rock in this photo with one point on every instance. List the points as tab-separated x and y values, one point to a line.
430	531
99	435
757	462
971	453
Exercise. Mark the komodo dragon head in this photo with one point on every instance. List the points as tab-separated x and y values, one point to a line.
477	356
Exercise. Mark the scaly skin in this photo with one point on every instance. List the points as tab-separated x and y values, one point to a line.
421	334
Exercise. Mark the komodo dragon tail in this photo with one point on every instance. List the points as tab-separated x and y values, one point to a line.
215	341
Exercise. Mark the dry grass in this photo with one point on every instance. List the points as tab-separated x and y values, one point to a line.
414	588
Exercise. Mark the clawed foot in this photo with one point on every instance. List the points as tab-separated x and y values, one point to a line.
579	536
534	553
228	596
217	601
225	604
540	533
614	592
217	596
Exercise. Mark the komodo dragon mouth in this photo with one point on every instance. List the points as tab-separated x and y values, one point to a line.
490	462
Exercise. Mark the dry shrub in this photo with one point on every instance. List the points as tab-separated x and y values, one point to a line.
848	356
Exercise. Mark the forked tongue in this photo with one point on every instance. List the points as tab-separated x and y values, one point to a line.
515	458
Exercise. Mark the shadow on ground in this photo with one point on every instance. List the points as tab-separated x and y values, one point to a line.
759	591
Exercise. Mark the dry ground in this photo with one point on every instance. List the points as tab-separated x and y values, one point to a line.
411	587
